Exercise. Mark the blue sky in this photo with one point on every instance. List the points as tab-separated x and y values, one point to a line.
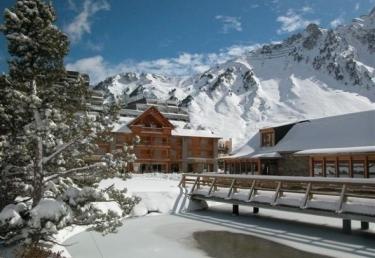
180	37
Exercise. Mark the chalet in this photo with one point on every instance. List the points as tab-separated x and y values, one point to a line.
167	144
337	146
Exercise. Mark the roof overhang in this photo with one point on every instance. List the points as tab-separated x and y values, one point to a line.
343	150
269	155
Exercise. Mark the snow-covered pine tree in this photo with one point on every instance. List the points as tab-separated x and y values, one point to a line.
48	136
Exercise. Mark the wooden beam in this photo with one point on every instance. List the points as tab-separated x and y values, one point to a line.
252	189
195	184
276	193
231	188
212	186
235	210
306	197
342	198
347	226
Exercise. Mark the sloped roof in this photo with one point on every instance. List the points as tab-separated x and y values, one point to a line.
122	126
343	131
153	111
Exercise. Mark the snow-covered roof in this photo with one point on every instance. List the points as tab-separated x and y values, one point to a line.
194	133
267	155
362	149
179	129
122	125
353	132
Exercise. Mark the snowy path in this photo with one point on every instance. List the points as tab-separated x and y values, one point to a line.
166	235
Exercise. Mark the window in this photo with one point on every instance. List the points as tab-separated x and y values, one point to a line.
330	169
358	169
267	139
371	168
344	169
318	168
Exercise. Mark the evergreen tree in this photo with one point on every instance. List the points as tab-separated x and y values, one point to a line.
48	135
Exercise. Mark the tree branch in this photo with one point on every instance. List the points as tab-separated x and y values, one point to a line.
70	171
59	149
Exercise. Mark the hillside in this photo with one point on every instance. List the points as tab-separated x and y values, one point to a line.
312	74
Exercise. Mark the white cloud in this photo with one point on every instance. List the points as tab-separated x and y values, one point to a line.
292	22
307	9
229	23
336	22
81	24
185	64
356	7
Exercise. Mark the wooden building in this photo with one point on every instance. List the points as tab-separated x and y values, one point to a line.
337	146
166	142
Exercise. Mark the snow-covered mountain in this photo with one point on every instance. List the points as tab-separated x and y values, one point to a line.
315	73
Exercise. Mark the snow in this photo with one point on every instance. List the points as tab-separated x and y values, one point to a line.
282	90
353	132
363	149
10	215
122	127
52	210
195	133
105	207
171	232
158	191
170	235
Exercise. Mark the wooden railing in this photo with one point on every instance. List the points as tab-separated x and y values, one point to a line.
348	198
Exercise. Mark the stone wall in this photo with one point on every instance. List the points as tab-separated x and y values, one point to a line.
290	165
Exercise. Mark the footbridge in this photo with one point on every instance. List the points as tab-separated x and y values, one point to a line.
344	198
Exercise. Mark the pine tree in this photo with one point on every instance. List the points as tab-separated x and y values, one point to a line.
48	134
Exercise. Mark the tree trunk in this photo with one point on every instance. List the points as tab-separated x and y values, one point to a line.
38	159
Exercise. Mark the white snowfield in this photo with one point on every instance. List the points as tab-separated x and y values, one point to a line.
170	233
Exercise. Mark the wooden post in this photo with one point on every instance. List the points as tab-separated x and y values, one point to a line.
235	210
324	167
255	210
212	186
366	167
364	225
342	198
311	166
307	196
252	189
347	226
231	189
277	192
350	167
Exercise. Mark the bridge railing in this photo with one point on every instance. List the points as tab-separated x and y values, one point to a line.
333	195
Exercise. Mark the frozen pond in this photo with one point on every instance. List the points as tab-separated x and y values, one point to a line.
224	244
180	235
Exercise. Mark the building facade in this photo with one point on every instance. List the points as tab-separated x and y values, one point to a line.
337	146
166	143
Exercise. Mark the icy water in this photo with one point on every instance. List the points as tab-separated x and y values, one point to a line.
223	244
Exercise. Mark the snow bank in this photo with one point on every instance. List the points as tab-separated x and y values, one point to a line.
50	210
11	215
158	192
105	207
